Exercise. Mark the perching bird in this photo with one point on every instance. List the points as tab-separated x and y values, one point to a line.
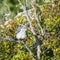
21	32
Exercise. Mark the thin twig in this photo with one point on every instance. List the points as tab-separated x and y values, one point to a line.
32	29
18	41
37	41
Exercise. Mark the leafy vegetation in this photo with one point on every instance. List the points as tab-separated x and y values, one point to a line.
49	19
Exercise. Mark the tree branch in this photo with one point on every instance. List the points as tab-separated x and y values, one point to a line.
17	41
31	27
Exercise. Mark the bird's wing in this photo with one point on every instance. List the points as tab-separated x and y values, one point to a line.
18	30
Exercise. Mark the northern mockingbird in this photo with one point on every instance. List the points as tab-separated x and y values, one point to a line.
21	32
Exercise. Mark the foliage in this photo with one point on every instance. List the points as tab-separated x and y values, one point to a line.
50	21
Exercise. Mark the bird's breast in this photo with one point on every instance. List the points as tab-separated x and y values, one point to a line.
21	35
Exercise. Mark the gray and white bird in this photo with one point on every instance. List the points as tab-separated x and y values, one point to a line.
21	32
